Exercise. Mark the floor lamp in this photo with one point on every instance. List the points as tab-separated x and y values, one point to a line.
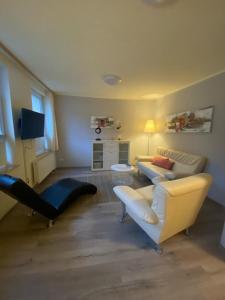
149	128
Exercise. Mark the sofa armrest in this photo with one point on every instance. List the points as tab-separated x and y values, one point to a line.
170	175
158	179
135	202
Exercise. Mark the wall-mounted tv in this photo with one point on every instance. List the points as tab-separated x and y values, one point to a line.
31	124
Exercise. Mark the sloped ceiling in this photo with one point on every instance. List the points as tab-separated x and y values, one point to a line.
71	44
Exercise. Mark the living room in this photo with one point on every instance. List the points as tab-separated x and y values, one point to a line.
98	71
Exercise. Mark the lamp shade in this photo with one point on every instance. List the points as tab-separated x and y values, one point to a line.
149	126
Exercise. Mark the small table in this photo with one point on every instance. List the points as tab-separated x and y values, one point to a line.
121	174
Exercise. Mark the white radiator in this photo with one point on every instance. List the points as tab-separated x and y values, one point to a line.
43	166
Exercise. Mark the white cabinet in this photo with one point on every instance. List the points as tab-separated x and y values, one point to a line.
108	152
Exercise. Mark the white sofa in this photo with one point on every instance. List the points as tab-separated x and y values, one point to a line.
185	164
167	208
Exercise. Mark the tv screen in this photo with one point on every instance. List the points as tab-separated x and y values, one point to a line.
31	124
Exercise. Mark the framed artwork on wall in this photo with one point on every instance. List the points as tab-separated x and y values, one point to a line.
102	122
199	121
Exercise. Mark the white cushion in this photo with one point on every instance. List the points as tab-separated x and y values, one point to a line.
151	170
147	193
136	203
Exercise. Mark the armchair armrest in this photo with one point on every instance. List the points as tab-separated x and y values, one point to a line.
136	202
187	184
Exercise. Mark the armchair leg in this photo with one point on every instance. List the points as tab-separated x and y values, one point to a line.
187	232
124	213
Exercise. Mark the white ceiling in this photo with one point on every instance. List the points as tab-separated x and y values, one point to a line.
70	44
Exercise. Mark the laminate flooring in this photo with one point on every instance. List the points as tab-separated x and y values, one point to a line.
88	254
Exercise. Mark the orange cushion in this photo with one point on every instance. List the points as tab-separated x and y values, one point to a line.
163	162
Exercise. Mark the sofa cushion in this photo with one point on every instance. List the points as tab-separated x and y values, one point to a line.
139	205
163	162
184	162
150	170
147	193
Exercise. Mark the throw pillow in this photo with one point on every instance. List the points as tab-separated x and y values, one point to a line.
163	162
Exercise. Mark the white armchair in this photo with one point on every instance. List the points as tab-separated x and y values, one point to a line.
164	209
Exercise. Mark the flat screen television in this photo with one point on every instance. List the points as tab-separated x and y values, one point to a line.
31	124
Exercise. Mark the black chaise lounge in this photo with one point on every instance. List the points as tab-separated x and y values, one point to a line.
52	201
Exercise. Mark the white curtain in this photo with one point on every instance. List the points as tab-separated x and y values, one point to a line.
2	132
50	124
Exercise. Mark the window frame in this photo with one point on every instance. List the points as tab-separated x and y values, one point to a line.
3	159
41	144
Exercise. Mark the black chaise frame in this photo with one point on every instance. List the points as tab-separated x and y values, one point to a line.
52	201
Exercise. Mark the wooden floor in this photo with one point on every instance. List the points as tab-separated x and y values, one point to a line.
88	254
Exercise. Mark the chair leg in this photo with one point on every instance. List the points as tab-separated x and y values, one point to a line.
187	232
32	213
158	249
50	223
124	213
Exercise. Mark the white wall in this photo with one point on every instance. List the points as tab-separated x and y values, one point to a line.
20	85
73	120
212	145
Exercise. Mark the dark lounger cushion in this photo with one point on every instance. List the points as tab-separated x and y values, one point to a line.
61	193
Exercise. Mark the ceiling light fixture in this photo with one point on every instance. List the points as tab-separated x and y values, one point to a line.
112	79
157	2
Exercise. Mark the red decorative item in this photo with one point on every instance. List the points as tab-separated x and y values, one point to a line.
163	162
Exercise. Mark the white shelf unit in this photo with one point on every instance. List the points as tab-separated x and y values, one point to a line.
108	152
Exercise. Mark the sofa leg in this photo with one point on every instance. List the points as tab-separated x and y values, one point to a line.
50	223
124	213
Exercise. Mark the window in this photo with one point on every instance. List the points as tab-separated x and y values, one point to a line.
41	144
2	138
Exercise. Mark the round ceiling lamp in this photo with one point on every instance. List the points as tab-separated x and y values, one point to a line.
154	1
112	79
157	2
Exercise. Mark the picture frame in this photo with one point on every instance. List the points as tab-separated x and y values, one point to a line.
198	121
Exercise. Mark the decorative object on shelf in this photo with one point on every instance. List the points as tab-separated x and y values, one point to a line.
98	131
149	128
102	122
199	121
117	127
